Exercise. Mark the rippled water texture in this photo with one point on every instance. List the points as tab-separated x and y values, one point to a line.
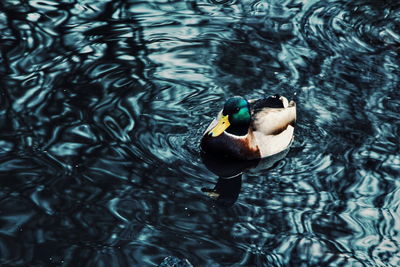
103	104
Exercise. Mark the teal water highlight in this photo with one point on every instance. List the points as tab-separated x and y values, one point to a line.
103	104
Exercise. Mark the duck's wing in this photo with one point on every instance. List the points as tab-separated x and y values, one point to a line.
273	121
269	145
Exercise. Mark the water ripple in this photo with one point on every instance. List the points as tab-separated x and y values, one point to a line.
103	104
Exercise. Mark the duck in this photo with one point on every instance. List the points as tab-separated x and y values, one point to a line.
251	129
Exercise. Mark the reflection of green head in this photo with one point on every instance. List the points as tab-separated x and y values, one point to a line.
238	110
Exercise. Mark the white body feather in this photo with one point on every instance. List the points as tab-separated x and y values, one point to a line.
274	130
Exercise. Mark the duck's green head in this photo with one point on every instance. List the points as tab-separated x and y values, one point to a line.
235	117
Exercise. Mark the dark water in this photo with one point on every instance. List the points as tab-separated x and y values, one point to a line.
103	104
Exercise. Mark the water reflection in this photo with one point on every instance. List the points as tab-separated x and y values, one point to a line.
229	171
226	191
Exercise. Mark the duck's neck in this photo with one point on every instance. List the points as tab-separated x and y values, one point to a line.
238	129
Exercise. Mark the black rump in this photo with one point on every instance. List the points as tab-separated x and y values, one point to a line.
269	102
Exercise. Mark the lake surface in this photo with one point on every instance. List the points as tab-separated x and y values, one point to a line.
103	104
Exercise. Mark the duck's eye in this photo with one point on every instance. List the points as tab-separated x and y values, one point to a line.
237	109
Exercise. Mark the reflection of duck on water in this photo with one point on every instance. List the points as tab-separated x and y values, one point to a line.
227	189
246	135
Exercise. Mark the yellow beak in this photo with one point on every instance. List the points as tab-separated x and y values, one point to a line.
223	123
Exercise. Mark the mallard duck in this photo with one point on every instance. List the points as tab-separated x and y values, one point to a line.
251	129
